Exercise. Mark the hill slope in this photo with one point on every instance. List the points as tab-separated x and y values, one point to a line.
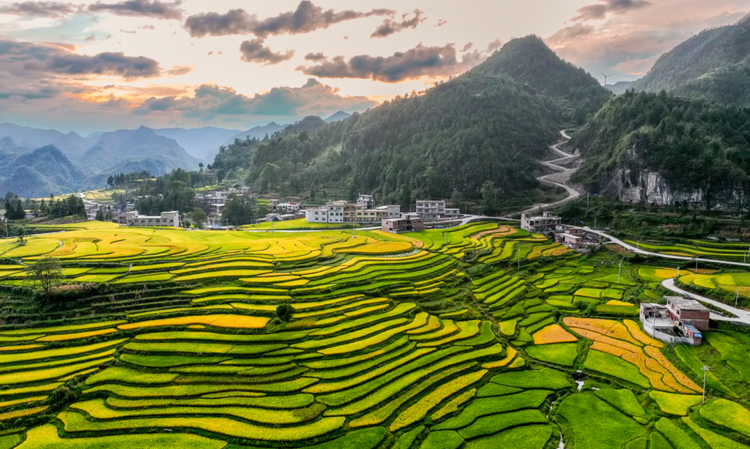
659	148
529	61
490	124
714	64
37	174
198	141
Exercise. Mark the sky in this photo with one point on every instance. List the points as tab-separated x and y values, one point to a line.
90	66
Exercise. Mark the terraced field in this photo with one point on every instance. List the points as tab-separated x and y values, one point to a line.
170	338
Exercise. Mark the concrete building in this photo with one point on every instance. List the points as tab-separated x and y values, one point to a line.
366	201
433	210
545	222
689	311
344	212
171	218
679	321
406	223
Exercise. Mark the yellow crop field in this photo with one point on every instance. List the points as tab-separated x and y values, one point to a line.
554	333
230	321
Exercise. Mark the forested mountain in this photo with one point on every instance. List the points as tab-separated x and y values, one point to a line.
529	61
660	148
37	174
714	64
488	125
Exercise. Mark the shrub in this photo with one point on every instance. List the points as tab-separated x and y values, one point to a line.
284	312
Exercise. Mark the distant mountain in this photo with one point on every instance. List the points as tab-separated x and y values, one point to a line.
714	64
70	144
37	174
8	145
257	132
337	117
530	62
137	148
198	141
619	87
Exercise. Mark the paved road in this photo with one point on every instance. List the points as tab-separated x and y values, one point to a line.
664	256
559	172
743	316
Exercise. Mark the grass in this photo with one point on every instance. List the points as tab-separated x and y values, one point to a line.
488	425
537	378
561	353
525	437
594	424
732	352
675	435
493	405
623	400
727	414
713	439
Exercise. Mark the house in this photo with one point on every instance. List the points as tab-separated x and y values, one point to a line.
433	210
332	212
681	320
545	222
406	223
171	218
689	311
366	201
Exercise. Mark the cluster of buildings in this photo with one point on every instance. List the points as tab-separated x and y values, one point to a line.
171	218
344	212
681	320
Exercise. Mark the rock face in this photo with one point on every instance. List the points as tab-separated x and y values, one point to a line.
648	187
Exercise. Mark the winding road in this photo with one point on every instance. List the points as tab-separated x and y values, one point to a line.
561	174
743	316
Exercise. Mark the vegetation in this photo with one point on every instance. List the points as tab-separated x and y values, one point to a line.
694	144
315	339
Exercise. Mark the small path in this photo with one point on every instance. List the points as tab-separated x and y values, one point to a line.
743	316
561	175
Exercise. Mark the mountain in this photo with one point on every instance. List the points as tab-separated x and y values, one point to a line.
198	141
139	148
664	149
70	144
257	132
337	117
619	87
491	124
37	174
528	61
714	64
8	145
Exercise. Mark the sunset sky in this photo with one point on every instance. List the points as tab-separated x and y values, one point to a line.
98	66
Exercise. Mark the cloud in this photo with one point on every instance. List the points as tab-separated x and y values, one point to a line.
315	57
254	51
39	9
415	63
312	98
494	45
27	59
600	11
179	70
390	26
141	8
441	22
305	19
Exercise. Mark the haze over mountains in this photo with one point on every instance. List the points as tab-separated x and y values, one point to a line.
37	162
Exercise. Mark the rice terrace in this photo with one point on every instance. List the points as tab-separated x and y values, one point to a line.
479	336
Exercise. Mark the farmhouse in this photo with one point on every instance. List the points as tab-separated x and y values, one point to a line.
171	218
431	210
344	212
545	222
406	223
679	321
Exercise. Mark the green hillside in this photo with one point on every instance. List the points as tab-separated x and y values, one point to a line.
490	124
714	64
696	145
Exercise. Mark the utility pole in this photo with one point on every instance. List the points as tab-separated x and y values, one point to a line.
705	369
353	236
446	238
619	270
271	226
696	265
5	219
678	271
519	259
736	298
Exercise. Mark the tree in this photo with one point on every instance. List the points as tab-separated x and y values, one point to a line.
200	166
284	312
198	217
237	211
489	203
457	199
111	181
99	215
46	273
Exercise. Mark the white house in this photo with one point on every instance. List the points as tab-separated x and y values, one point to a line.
171	218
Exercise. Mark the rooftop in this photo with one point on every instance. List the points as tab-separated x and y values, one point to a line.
686	304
